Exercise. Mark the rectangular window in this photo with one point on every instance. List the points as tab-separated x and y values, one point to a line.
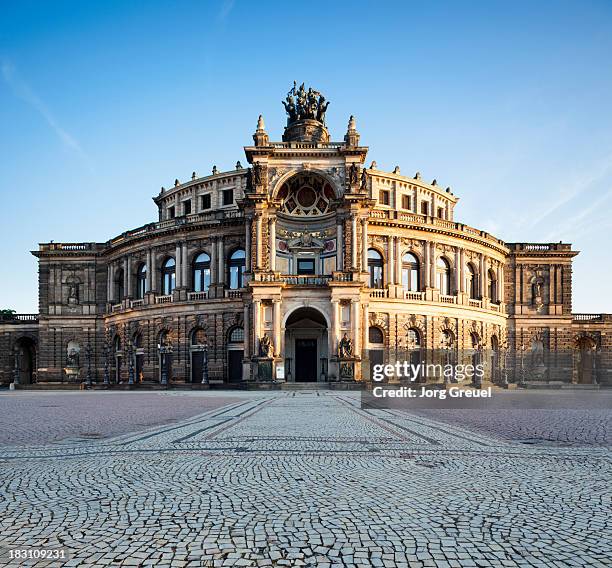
405	202
228	196
187	207
205	202
424	208
305	266
383	197
171	212
440	213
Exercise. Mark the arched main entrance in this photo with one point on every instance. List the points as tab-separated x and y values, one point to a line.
25	352
306	346
585	360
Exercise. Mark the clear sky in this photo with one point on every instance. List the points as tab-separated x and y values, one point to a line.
509	103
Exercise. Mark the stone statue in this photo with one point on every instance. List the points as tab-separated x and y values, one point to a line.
364	180
345	347
258	174
353	174
266	349
249	180
302	104
73	358
73	292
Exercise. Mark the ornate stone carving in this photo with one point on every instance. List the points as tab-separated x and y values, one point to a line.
345	347
266	348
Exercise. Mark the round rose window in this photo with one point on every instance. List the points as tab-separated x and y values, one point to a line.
306	195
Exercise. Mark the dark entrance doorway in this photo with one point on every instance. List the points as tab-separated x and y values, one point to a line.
306	360
197	366
234	357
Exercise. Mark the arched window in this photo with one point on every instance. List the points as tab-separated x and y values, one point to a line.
375	267
443	273
492	286
168	276
376	336
475	340
413	338
236	335
236	269
410	272
119	289
201	273
446	339
198	337
141	281
471	281
494	343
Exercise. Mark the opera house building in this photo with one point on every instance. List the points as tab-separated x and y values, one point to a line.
308	265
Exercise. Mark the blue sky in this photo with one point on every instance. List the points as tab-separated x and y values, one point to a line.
510	104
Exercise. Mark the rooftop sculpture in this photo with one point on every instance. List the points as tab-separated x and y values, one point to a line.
302	104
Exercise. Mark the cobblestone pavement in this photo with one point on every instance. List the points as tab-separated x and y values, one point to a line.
31	418
308	479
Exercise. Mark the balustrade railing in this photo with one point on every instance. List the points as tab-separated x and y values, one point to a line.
233	294
448	299
475	303
419	296
18	318
167	299
197	296
587	317
379	293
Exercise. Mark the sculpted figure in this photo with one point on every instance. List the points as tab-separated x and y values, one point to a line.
353	174
364	180
289	105
345	347
266	349
257	174
323	104
73	358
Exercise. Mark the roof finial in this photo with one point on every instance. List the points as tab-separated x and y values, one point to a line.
260	123
351	138
261	137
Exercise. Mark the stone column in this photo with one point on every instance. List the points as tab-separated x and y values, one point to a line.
221	261
272	244
339	246
432	264
126	283
354	264
335	327
154	276
483	276
178	267
398	261
391	263
364	251
500	284
277	326
256	320
247	245
258	223
149	271
426	271
214	265
365	329
185	261
355	325
111	288
247	333
458	270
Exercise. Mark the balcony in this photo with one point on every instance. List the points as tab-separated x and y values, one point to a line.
233	294
168	299
416	296
379	293
475	303
448	299
197	296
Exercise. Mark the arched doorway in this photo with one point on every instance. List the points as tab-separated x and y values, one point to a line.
585	360
25	352
199	356
306	346
376	345
235	354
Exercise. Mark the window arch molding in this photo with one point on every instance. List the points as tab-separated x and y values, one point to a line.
201	267
236	267
168	275
411	271
376	267
471	280
443	275
141	280
492	288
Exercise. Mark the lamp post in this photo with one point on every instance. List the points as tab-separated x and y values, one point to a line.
163	351
522	375
106	364
88	357
504	363
479	359
16	370
205	364
130	355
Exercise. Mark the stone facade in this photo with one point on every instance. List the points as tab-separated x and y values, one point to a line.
258	274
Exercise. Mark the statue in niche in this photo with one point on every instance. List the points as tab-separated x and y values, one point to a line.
266	349
364	180
537	292
345	347
73	357
258	174
353	174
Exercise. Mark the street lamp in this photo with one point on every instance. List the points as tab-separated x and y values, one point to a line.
522	375
106	364
130	354
163	351
205	364
88	357
16	370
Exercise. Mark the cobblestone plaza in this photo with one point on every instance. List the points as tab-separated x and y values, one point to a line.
301	478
